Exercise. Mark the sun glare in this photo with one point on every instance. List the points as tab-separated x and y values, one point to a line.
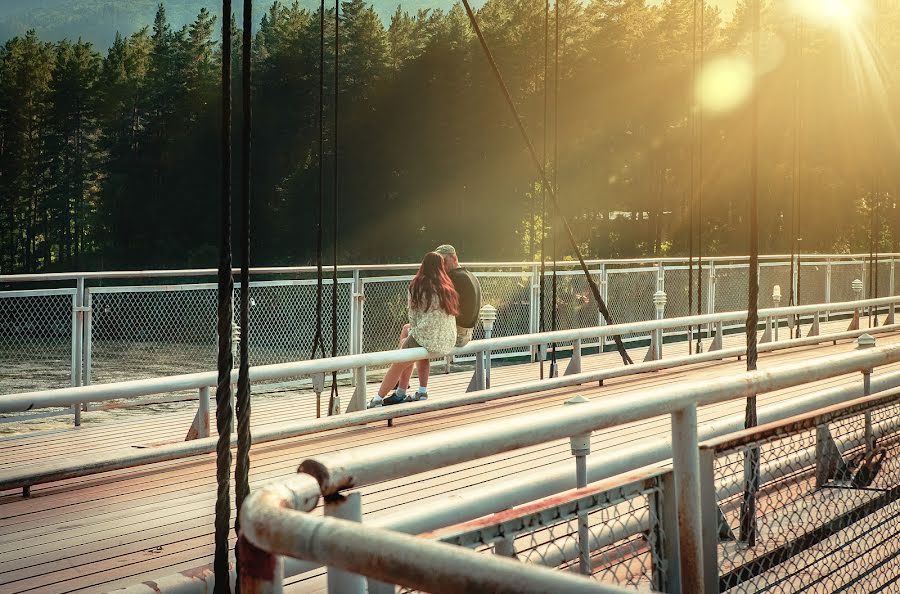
843	14
724	84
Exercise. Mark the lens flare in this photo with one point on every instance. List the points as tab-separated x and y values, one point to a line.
724	84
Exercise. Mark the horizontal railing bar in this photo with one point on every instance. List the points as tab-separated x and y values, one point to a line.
358	467
775	429
35	293
96	275
398	558
85	466
98	392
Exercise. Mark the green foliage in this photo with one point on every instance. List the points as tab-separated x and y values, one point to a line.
113	161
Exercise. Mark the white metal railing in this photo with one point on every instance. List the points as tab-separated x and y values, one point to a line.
67	468
276	519
121	329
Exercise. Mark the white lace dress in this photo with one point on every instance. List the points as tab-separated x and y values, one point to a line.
433	328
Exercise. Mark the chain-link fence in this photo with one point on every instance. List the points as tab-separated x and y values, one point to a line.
36	350
616	532
138	331
811	506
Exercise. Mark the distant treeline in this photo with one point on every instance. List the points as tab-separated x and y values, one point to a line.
112	161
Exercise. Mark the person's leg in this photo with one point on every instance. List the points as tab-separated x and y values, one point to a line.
390	380
423	367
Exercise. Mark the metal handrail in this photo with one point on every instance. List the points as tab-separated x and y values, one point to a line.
27	401
185	272
358	467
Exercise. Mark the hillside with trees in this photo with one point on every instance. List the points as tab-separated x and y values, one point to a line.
110	159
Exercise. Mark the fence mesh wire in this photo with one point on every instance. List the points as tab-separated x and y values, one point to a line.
624	535
160	329
827	509
35	340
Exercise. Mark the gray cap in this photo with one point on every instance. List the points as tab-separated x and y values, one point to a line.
445	250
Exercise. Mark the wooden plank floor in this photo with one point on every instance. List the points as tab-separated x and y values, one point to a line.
97	533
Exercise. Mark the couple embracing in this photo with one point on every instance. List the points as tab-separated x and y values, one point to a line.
443	305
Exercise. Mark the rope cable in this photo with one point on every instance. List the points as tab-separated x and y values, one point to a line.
225	361
751	460
595	291
541	305
334	247
692	196
242	462
699	347
555	227
318	340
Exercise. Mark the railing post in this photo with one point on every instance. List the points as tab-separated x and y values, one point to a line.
88	341
710	505
666	566
78	343
203	413
686	466
776	301
857	286
534	307
581	447
355	333
347	507
488	315
604	292
261	572
574	365
505	547
828	288
711	289
656	337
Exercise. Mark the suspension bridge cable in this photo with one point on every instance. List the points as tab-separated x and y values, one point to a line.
699	347
692	197
318	340
595	290
242	462
555	313
541	289
225	361
753	293
334	247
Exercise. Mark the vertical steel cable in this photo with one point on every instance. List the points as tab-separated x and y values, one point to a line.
318	340
334	239
692	196
748	504
225	361
798	113
555	321
242	463
700	187
541	303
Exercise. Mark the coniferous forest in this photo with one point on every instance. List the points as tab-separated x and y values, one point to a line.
110	159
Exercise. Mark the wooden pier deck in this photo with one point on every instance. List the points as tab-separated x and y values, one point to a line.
112	530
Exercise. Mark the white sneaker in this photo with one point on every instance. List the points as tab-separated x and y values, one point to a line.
420	396
375	402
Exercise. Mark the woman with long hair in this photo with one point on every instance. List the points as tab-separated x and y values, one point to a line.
432	306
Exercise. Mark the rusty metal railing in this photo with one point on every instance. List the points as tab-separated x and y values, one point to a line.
271	521
822	513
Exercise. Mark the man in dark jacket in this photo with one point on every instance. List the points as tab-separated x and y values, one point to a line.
469	290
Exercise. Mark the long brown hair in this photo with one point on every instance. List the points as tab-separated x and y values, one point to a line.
432	280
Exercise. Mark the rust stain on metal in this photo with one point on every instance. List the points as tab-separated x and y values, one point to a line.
324	477
153	586
546	503
255	562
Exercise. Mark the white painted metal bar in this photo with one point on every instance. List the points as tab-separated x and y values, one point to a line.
100	392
